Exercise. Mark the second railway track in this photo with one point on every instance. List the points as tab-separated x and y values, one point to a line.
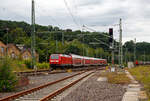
41	72
49	90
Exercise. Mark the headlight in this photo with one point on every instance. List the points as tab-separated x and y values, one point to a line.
54	61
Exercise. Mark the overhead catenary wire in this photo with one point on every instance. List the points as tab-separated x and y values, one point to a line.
78	17
103	26
71	14
75	21
106	25
105	31
95	31
50	17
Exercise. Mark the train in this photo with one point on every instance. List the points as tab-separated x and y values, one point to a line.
142	62
72	60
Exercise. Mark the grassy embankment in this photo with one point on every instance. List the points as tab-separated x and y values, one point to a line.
142	74
116	77
19	66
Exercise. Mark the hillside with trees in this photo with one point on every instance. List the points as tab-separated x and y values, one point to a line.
142	50
52	39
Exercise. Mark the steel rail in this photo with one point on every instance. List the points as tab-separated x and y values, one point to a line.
55	93
39	71
32	72
11	97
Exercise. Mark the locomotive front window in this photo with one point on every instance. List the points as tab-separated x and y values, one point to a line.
54	57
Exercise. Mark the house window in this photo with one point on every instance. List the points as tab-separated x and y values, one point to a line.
2	49
13	55
26	56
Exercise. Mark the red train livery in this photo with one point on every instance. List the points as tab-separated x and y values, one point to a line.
61	60
142	62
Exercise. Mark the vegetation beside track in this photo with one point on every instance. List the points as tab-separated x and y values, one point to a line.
19	66
116	77
23	66
142	74
43	65
8	67
8	79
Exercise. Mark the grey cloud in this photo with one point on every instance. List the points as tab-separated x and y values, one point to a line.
89	2
88	12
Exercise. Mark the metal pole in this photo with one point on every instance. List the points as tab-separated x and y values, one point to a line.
7	44
46	55
120	45
119	52
144	57
112	52
33	36
87	51
83	43
135	50
56	46
56	41
62	38
126	55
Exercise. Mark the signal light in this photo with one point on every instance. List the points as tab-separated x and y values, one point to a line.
111	35
111	31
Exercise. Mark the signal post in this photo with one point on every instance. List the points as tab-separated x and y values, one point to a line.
111	41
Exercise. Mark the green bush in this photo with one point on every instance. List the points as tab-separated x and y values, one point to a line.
42	65
8	79
28	63
18	65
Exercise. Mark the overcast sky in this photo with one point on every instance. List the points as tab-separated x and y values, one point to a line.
96	14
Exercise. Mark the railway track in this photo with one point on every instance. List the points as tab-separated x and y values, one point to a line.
49	90
40	72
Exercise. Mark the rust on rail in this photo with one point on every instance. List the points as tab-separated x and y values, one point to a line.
8	98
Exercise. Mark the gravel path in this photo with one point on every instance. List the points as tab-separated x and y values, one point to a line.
38	80
93	90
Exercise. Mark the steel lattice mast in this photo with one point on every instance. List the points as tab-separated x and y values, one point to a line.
120	44
33	35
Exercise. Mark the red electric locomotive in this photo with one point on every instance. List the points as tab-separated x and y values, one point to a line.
57	60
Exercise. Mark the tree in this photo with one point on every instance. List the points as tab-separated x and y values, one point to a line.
72	49
99	52
91	52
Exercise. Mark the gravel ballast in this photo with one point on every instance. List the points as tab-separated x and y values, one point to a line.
38	95
38	80
93	90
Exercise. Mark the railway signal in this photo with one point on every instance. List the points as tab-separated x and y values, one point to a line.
111	44
111	35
